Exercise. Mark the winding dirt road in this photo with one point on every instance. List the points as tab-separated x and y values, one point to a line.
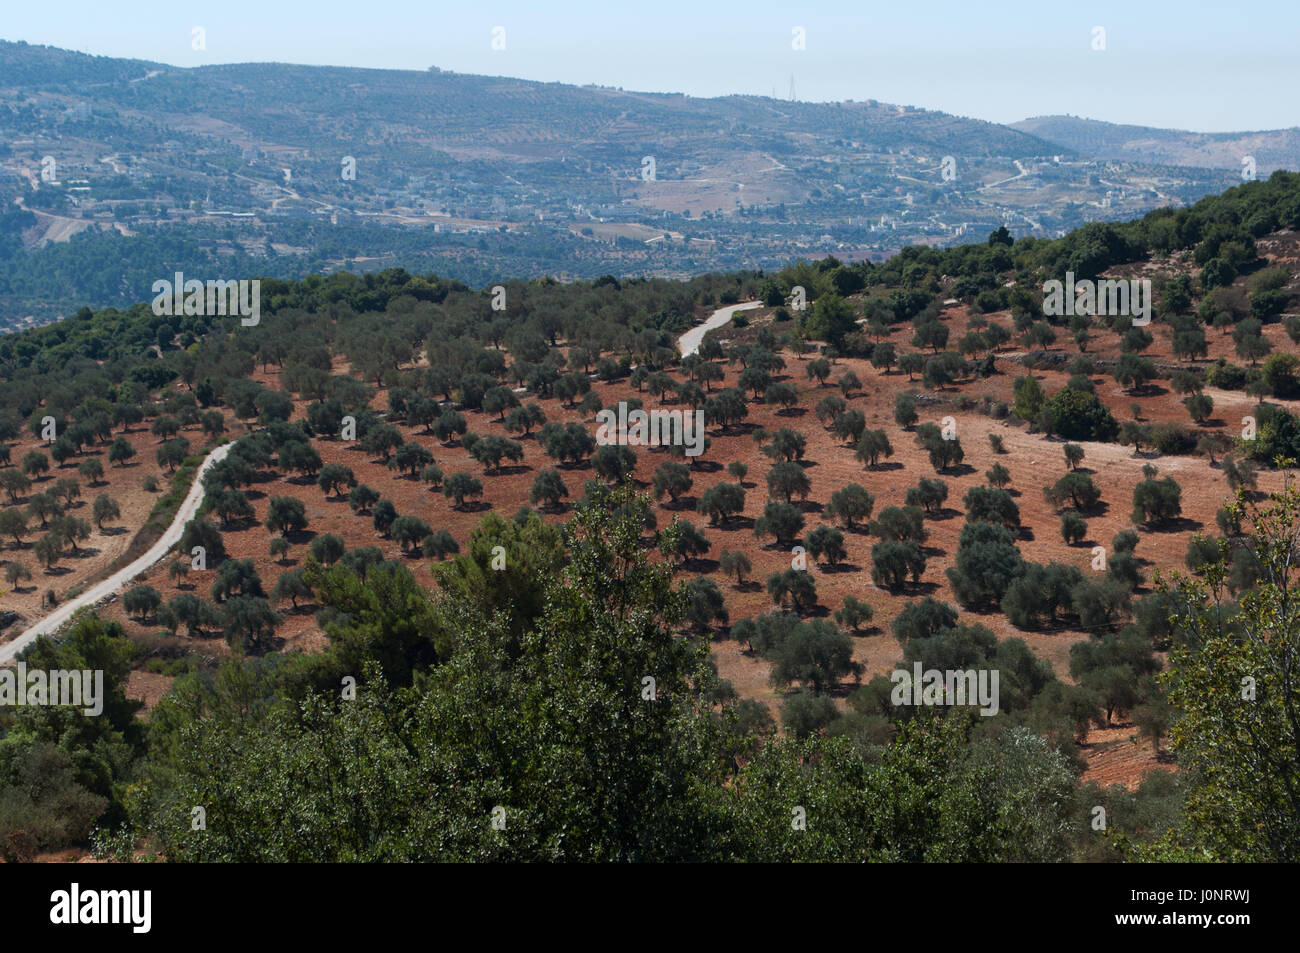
52	622
689	342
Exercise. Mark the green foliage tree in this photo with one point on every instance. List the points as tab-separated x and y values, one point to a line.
787	480
854	613
871	446
721	502
671	479
548	488
991	505
461	486
105	509
781	521
928	494
986	562
291	586
1074	529
362	498
850	503
735	562
327	548
285	515
1156	502
141	601
894	561
1029	397
826	544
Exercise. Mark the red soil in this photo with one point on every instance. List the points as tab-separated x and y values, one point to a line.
1033	460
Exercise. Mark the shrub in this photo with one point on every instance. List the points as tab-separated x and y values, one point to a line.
1078	415
1125	541
1170	439
1239	473
1280	373
1226	376
1228	521
439	545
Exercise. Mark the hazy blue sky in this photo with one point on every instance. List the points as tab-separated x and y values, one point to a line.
1188	64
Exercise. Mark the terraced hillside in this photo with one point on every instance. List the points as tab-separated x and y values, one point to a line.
907	463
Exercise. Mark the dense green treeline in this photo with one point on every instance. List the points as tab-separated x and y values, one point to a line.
102	266
1219	228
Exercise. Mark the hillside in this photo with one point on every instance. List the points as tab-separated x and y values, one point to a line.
1271	149
124	170
918	468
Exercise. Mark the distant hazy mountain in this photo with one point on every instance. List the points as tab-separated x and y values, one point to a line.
1271	149
116	172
